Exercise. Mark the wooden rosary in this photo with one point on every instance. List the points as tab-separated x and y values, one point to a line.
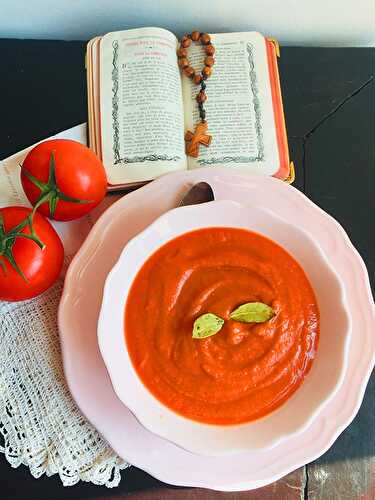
193	140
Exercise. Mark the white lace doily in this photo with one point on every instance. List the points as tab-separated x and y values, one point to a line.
41	426
39	421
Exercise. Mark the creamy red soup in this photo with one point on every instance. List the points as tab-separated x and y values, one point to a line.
244	371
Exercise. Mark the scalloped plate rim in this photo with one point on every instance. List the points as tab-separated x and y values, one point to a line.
350	408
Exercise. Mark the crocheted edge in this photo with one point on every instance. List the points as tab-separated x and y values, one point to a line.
101	473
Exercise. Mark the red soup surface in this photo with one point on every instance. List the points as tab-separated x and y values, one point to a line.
246	370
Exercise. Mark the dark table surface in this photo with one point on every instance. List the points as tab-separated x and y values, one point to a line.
329	99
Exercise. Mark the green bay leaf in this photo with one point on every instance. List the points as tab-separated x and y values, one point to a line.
252	312
207	325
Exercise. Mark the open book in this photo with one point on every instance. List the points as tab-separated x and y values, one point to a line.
140	105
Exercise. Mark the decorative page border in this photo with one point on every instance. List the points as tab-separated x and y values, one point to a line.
258	117
115	121
115	99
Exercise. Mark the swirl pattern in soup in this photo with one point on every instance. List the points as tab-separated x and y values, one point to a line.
246	370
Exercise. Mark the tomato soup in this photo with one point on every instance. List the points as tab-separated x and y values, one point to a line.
244	371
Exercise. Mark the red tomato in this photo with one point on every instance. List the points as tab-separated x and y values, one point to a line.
65	177
40	268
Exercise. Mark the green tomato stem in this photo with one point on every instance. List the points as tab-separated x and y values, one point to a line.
49	191
8	239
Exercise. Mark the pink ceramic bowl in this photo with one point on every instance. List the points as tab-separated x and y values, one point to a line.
300	410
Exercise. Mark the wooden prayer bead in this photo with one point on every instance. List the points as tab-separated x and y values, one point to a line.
210	50
183	62
195	36
186	42
205	38
209	61
182	52
206	72
201	97
197	79
189	71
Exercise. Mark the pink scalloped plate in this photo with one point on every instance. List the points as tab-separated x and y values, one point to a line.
88	379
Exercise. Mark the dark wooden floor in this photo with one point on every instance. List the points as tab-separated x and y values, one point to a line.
329	97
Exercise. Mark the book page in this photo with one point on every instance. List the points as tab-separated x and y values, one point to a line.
141	105
239	108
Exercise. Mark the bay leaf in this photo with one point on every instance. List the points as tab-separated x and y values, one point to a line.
206	325
252	312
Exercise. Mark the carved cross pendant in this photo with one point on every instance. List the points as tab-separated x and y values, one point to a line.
193	141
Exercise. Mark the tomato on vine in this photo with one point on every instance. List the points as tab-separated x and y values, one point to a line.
31	254
63	179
